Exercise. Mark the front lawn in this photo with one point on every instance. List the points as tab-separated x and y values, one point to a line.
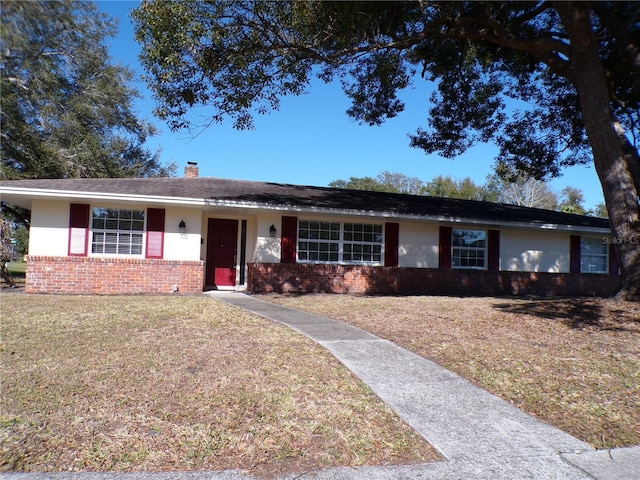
179	383
574	363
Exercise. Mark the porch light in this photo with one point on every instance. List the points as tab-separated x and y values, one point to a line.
272	231
182	227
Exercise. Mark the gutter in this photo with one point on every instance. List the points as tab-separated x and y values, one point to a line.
45	194
399	216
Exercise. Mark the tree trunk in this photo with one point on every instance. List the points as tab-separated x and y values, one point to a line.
615	159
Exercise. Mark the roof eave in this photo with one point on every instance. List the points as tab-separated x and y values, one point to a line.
399	216
50	194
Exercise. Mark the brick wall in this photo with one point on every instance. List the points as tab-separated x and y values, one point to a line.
104	276
306	278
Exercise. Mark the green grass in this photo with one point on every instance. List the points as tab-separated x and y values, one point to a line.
18	268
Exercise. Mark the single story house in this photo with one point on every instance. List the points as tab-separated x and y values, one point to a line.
186	235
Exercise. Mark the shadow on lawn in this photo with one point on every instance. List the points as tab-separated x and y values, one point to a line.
578	313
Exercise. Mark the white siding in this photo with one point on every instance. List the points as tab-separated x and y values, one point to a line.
267	249
49	232
182	246
520	250
534	251
418	245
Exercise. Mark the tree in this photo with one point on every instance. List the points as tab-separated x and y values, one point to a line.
465	189
600	211
573	65
440	186
401	182
572	200
363	183
67	110
391	182
524	191
5	251
394	182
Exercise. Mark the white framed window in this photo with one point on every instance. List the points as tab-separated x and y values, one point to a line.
469	249
336	242
362	242
594	255
116	231
318	241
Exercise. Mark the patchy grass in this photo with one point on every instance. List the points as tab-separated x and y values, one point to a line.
574	363
179	383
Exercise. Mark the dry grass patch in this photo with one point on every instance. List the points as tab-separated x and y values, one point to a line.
574	363
179	383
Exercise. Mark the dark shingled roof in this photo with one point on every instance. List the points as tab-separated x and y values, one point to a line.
299	196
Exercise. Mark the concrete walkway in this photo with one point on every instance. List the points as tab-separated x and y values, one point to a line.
480	436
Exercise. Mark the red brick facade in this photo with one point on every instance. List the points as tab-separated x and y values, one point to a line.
107	276
307	278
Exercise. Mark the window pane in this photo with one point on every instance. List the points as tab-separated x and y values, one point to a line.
593	255
361	240
112	231
112	224
349	242
137	225
593	246
468	248
592	264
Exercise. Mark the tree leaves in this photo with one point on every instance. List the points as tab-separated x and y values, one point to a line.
240	58
67	110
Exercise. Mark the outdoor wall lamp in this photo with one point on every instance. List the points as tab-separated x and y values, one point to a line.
182	227
272	231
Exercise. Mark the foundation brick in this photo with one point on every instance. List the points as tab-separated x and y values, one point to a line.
362	279
109	276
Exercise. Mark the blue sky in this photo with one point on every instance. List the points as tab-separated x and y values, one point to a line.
310	140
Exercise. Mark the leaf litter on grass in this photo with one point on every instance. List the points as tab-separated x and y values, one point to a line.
572	362
180	383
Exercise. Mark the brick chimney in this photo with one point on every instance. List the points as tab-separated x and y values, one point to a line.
191	170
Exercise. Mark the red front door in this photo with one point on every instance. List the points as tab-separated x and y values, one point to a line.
222	241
